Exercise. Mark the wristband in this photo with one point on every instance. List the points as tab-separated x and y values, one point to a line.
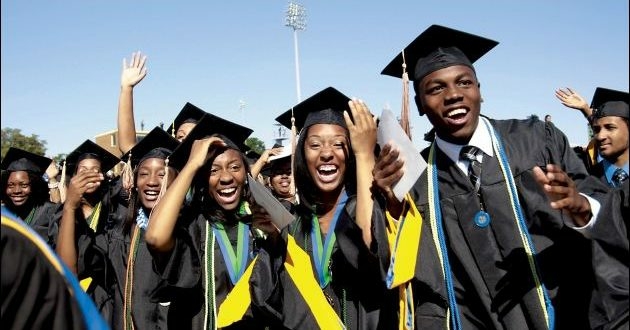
53	185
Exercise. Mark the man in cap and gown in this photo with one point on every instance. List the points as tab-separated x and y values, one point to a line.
502	203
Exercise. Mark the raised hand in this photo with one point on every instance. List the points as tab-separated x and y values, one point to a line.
52	171
571	99
80	184
134	71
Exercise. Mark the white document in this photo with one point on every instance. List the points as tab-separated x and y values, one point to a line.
279	214
389	131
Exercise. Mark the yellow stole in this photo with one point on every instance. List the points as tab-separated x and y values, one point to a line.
404	239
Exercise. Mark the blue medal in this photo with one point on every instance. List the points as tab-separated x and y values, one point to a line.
482	219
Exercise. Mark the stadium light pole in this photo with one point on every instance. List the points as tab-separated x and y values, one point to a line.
296	19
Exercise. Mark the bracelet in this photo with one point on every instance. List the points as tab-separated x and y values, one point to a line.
53	185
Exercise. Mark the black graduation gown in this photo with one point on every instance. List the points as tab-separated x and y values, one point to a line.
43	222
34	294
146	313
359	296
183	272
609	307
493	283
93	252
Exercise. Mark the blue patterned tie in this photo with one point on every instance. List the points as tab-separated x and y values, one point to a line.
619	177
474	156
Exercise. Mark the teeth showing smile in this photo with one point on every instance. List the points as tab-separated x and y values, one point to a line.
227	191
327	168
151	193
456	112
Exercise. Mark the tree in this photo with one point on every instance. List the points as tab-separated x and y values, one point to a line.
13	137
255	144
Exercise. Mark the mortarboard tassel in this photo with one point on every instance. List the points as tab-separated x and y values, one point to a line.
292	187
127	176
404	112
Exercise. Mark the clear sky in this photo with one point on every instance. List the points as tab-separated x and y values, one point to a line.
61	60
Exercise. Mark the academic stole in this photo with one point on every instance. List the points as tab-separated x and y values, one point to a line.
404	238
453	317
30	216
92	221
94	217
238	299
322	251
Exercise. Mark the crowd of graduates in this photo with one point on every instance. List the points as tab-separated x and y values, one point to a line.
507	227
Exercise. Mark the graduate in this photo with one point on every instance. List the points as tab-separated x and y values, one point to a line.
204	250
118	260
609	308
38	291
610	131
25	194
278	172
500	245
325	275
89	209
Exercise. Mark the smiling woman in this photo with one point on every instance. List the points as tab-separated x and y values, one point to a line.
214	230
24	192
328	264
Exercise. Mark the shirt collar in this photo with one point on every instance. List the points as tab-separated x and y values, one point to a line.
481	139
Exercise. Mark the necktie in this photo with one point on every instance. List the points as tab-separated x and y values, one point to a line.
619	177
474	156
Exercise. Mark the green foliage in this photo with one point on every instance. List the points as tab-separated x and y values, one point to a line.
13	137
255	144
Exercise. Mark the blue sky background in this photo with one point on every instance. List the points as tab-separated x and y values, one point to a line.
61	60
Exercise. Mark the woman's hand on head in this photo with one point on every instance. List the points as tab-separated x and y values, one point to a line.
202	150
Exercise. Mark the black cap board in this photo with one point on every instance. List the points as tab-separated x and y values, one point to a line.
603	95
234	136
190	113
18	159
436	48
325	107
89	149
156	144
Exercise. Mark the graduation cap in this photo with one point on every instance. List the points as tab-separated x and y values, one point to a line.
284	156
436	48
18	159
190	113
156	144
325	107
234	136
89	149
609	102
286	152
